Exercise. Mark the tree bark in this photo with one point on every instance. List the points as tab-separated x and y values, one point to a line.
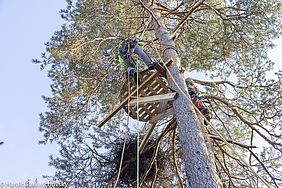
199	165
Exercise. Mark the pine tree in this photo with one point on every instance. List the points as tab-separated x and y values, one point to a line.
227	40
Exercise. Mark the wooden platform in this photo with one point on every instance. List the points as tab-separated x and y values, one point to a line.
150	84
157	88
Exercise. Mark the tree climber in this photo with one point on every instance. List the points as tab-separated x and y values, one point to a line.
128	64
194	94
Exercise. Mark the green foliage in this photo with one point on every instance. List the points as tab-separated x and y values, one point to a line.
226	39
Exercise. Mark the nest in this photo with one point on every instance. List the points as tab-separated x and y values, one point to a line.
128	174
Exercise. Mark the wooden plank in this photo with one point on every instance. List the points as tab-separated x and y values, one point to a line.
146	137
160	116
147	107
125	101
154	99
160	91
150	131
163	84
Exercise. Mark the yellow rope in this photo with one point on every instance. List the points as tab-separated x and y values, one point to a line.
128	111
125	138
137	107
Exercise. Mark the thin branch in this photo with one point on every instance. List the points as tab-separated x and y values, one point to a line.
250	124
121	161
264	167
153	15
232	142
155	176
222	16
174	160
168	128
183	21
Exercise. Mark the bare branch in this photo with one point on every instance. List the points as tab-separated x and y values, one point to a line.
151	13
232	142
183	21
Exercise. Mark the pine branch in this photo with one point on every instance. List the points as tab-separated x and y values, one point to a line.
183	21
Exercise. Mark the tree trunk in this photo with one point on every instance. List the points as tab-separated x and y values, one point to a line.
199	165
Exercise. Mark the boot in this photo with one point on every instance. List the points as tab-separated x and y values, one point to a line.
151	66
161	69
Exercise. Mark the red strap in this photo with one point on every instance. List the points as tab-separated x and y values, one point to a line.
199	104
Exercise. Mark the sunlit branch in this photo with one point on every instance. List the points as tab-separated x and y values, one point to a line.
250	124
232	142
183	21
263	166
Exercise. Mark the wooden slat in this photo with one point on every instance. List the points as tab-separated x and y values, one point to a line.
154	99
147	117
145	108
142	113
163	84
153	88
162	115
160	91
148	105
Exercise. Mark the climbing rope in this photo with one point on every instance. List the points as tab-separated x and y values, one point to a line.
137	106
137	110
126	135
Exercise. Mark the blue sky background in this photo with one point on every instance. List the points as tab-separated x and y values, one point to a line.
25	26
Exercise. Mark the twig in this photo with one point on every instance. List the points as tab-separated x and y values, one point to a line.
264	167
155	176
153	15
232	142
174	160
168	128
178	27
121	161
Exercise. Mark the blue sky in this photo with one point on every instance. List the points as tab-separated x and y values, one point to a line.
25	26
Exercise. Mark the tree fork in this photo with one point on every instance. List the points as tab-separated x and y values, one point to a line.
199	165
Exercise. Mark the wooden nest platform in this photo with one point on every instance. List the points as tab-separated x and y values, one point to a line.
152	100
153	97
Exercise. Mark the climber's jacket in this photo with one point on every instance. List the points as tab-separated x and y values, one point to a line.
126	49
